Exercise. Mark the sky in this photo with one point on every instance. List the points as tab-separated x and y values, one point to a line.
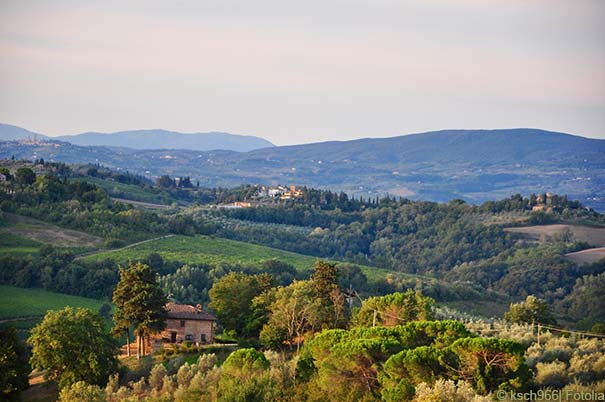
303	71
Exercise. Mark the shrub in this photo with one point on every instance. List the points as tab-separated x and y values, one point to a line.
185	374
551	374
156	377
205	362
448	391
81	391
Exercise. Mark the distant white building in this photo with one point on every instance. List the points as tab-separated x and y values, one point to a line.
274	192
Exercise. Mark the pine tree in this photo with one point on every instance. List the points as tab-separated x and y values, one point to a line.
140	303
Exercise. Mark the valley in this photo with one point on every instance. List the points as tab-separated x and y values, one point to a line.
69	233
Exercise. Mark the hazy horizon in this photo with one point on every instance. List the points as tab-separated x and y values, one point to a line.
300	143
300	73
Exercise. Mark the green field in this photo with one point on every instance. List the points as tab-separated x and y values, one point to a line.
213	250
24	308
17	245
18	302
206	250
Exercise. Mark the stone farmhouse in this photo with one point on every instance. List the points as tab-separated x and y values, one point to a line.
187	323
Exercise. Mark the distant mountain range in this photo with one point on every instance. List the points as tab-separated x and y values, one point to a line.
11	133
147	139
474	165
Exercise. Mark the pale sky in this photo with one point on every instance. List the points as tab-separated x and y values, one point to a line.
303	71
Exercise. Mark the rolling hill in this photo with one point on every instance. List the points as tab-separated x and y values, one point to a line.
163	139
14	133
474	165
213	250
146	139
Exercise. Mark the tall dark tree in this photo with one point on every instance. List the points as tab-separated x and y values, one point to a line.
140	303
165	181
6	173
332	310
325	276
25	176
14	365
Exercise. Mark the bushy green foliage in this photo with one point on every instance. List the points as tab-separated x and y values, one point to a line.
188	284
542	271
355	363
80	205
57	338
25	176
231	299
443	240
414	366
395	309
416	237
293	313
57	270
243	362
491	363
81	391
297	311
532	310
586	302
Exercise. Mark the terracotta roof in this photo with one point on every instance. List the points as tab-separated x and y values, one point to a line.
187	312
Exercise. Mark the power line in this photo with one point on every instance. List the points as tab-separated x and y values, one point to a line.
590	334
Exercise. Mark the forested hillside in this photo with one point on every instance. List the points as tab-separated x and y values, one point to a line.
457	251
390	312
474	165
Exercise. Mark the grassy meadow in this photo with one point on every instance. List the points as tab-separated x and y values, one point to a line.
19	302
17	245
213	250
24	308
